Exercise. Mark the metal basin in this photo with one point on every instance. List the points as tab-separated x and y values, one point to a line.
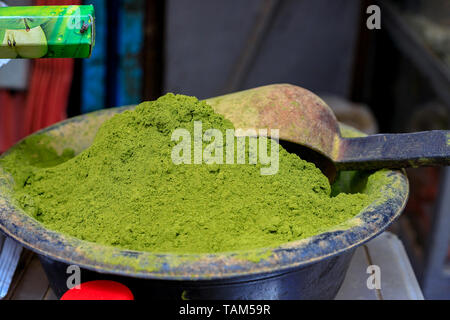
313	268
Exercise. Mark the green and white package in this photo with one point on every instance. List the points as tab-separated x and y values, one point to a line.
47	32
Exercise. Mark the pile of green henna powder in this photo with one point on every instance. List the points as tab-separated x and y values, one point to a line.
125	191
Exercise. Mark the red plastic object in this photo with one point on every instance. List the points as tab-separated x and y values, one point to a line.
11	115
98	291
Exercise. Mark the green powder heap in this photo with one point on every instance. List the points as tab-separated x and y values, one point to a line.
125	191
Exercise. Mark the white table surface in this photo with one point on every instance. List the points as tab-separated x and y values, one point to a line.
398	281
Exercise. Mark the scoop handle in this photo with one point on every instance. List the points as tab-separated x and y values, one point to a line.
395	151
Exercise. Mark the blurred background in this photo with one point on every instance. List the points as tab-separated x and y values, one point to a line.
393	79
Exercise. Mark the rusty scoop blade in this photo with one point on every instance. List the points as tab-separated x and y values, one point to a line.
309	128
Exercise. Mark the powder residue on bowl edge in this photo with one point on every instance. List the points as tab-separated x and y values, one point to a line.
125	191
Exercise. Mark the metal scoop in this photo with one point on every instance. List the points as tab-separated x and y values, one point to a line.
309	128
